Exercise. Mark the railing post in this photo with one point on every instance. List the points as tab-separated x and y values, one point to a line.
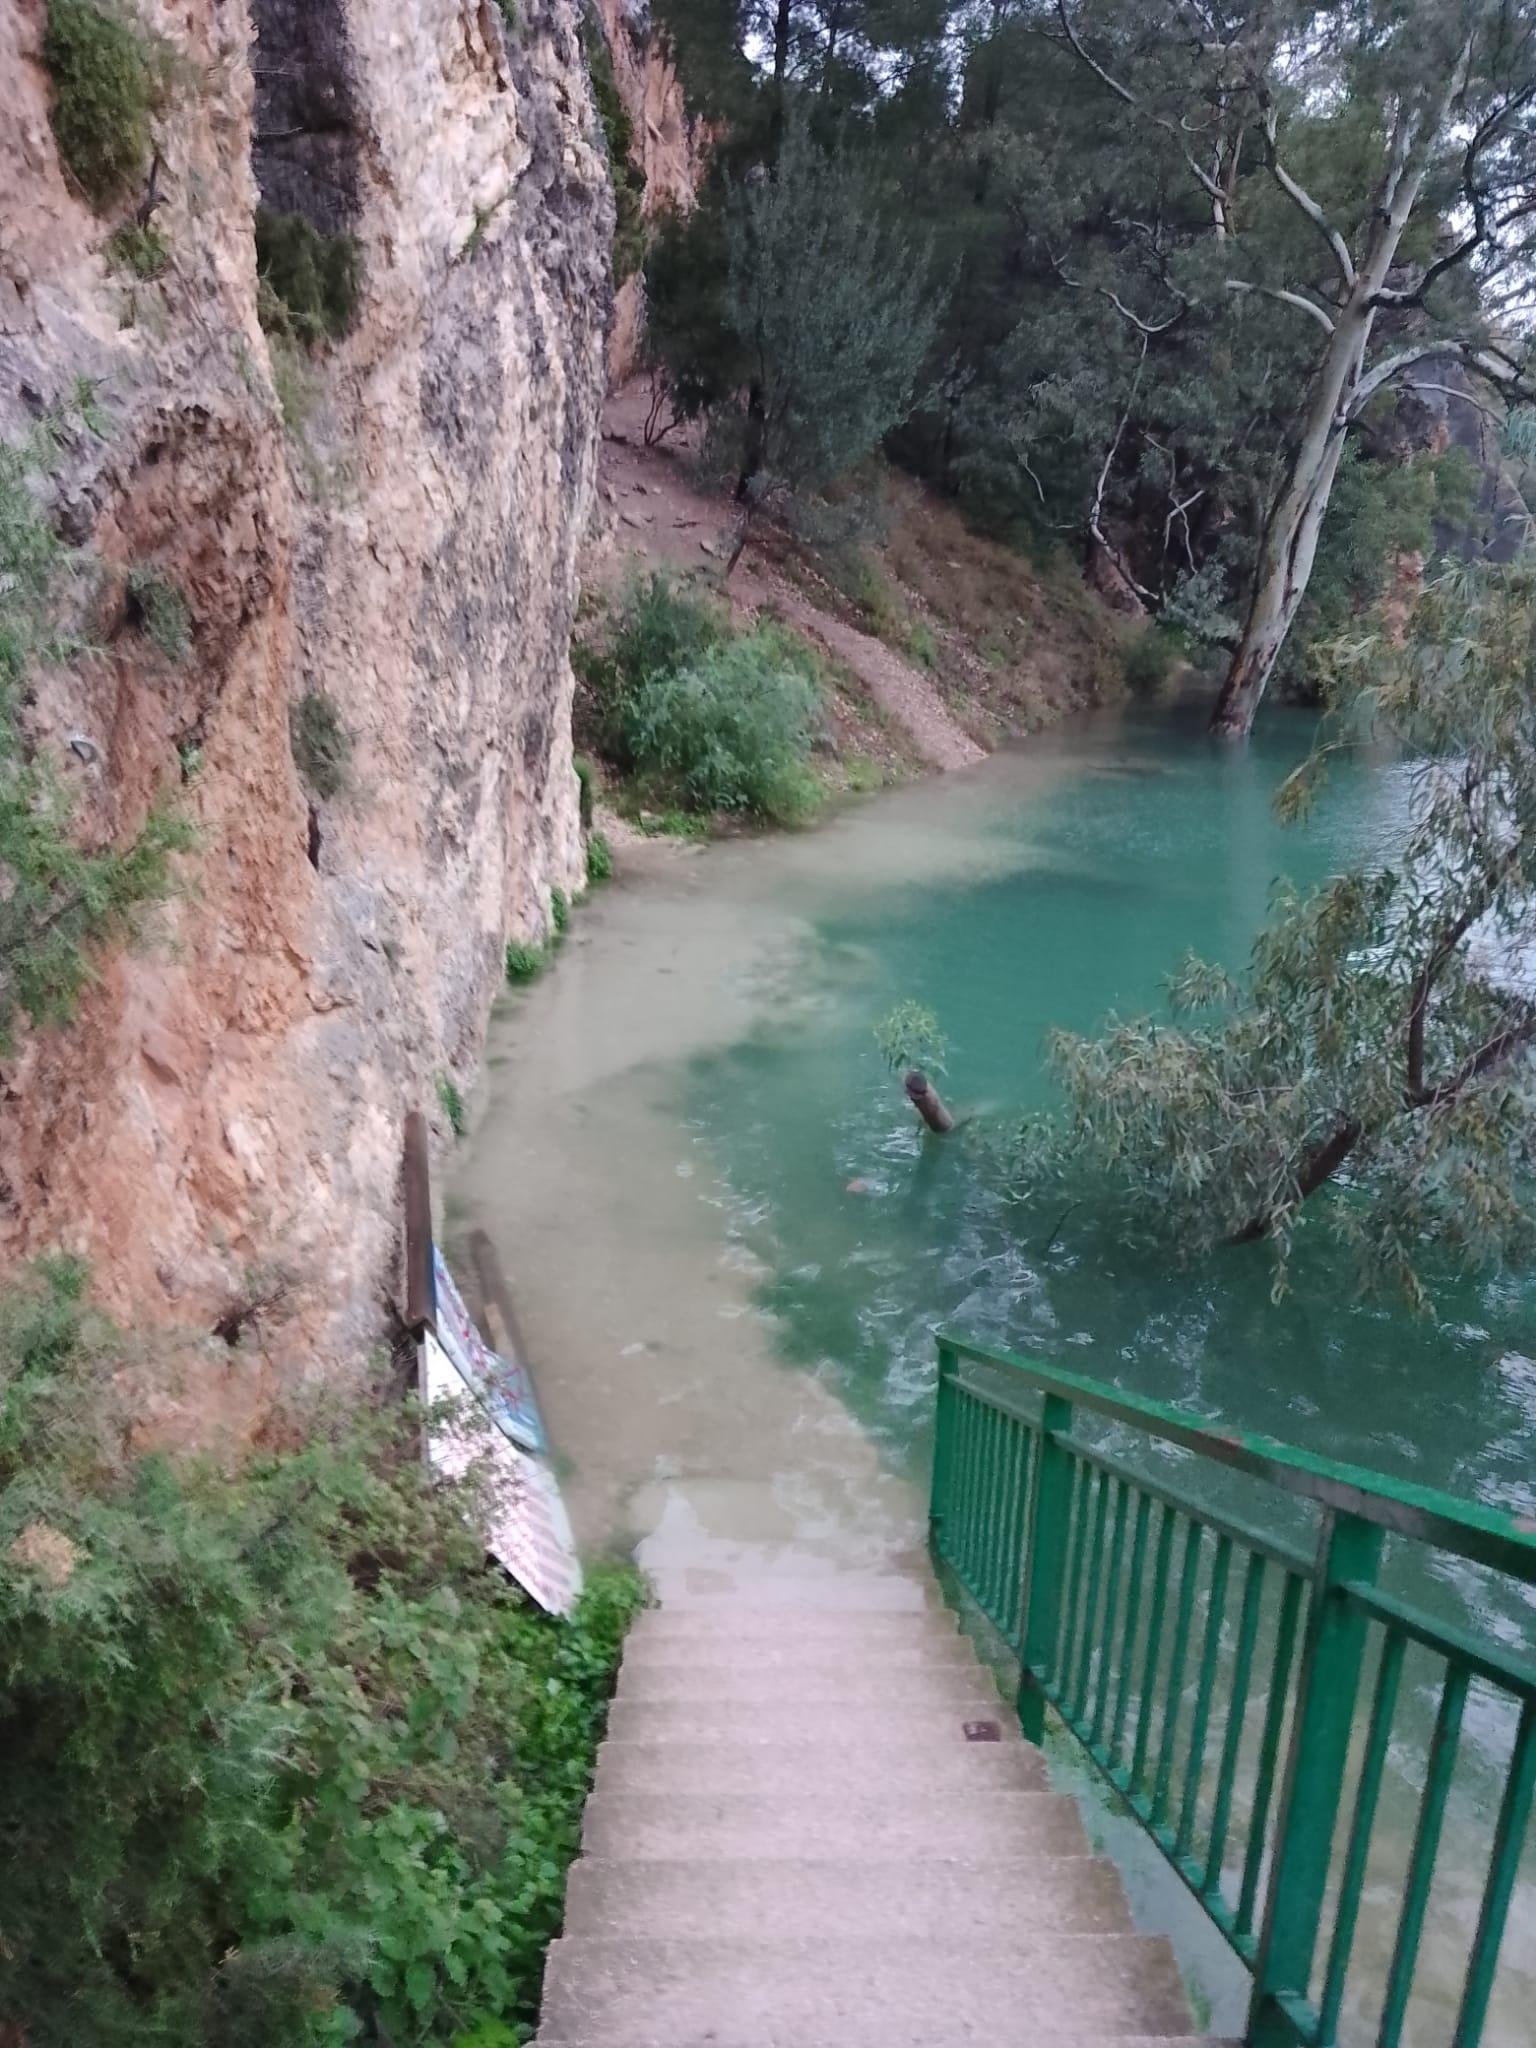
1045	1560
1327	1688
943	1422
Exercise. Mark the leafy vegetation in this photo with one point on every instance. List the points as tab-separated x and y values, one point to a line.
62	903
322	746
559	913
287	1765
910	1037
452	1104
143	250
310	282
1204	285
704	717
1380	1046
599	859
109	78
524	963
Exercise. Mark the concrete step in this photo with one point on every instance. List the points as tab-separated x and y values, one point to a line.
946	1900
902	1770
731	1624
866	1993
698	1592
917	1684
946	2037
769	1660
702	1721
745	1827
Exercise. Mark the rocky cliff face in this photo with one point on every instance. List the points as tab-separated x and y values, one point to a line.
670	146
224	1115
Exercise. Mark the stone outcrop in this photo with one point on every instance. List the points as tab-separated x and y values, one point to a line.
222	1120
670	145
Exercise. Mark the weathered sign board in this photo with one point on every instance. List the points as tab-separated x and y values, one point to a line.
527	1529
500	1384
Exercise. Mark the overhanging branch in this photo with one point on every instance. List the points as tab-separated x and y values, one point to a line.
1287	298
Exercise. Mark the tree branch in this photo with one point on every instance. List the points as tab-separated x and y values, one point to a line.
1320	1165
1212	187
1515	1035
1145	327
1490	361
1287	298
1305	203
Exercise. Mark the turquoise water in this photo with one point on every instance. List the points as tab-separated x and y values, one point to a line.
874	1234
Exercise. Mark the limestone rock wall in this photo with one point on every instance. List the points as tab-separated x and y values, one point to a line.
671	146
227	1106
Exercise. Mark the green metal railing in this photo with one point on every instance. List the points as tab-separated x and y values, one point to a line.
1213	1670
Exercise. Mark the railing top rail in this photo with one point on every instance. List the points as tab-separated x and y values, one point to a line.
1506	1542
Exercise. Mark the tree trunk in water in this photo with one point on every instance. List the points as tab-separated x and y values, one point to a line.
927	1101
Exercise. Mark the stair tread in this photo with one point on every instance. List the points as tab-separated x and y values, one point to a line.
701	1721
919	1684
737	1825
952	1897
898	1769
773	1991
727	1623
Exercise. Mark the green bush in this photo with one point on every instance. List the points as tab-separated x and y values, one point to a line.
586	785
524	963
659	627
1150	657
599	859
286	1765
706	717
322	746
109	78
734	728
311	283
559	913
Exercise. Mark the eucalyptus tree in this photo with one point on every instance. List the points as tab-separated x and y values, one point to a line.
1400	136
1382	1043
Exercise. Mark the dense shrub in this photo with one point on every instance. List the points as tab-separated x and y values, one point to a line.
733	729
109	77
285	1764
704	716
311	282
599	858
524	963
1150	656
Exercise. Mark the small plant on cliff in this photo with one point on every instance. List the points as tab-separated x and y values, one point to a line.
141	250
286	1766
322	746
559	913
109	78
311	282
524	963
156	605
452	1105
599	858
62	901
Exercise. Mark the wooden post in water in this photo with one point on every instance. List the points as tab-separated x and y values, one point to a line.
926	1100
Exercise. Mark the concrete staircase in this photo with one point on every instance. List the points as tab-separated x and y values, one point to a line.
815	1826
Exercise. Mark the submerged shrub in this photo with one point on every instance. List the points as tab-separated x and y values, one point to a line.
733	729
286	1766
109	77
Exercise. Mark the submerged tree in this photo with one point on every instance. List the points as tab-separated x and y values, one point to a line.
1401	135
1381	1043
